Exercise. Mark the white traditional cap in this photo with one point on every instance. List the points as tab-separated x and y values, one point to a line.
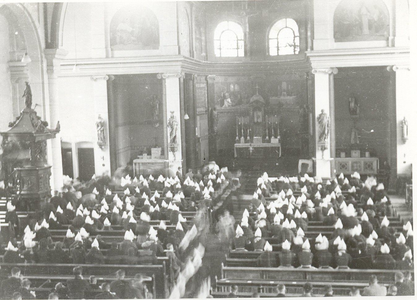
293	224
88	220
410	232
95	215
52	216
324	245
268	247
116	197
255	195
262	215
286	245
341	176
124	215
374	235
286	224
127	191
95	244
151	209
69	234
304	189
300	232
164	204
280	215
10	206
181	218
239	231
331	211
137	190
259	181
59	210
306	245
10	247
297	214
319	238
289	192
310	203
350	211
337	240
108	192
37	227
115	210
370	201
298	240
95	191
408	254
343	205
317	195
385	249
401	239
290	210
107	222
78	194
333	195
162	225
130	207
341	246
282	194
128	236
352	190
78	237
370	241
132	220
338	224
304	215
385	222
168	194
258	233
145	183
44	224
145	217
161	178
277	219
156	208
380	187
364	217
84	233
86	212
273	210
179	226
407	226
384	200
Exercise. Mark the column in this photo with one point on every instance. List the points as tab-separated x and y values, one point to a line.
173	149
101	151
403	112
98	30
324	103
54	58
211	100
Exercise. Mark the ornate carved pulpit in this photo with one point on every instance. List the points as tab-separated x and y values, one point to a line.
25	156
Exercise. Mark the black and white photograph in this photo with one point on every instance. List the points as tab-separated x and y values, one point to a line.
167	149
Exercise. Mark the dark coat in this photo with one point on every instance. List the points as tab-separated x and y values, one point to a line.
343	260
384	261
305	258
267	260
9	286
286	258
77	287
94	256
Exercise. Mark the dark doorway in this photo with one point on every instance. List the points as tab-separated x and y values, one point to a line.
67	167
86	163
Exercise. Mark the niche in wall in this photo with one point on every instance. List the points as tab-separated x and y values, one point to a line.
136	117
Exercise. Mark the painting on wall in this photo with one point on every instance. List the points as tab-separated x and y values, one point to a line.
134	29
362	20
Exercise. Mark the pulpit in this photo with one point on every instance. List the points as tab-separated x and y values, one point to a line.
25	156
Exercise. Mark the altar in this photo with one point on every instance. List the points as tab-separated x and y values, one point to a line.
259	150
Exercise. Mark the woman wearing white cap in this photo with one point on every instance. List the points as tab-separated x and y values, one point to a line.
384	259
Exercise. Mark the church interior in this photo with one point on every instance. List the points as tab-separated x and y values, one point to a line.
200	149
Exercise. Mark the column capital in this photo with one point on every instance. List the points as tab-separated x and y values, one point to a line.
327	71
211	78
396	68
170	75
102	77
18	70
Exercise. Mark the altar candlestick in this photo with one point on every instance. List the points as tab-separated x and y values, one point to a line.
237	129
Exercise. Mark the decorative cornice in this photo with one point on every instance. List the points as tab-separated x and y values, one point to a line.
170	75
18	70
211	78
327	71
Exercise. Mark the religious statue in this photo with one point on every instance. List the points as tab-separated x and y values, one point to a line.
227	101
101	138
27	94
404	125
353	106
354	136
324	126
173	133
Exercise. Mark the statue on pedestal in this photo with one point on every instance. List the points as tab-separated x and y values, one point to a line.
324	126
101	138
173	132
27	94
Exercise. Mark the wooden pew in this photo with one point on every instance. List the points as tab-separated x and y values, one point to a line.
32	271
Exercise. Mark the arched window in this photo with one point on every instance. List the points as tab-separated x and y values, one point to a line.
228	40
284	38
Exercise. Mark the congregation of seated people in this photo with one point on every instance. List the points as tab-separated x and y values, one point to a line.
85	211
357	213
